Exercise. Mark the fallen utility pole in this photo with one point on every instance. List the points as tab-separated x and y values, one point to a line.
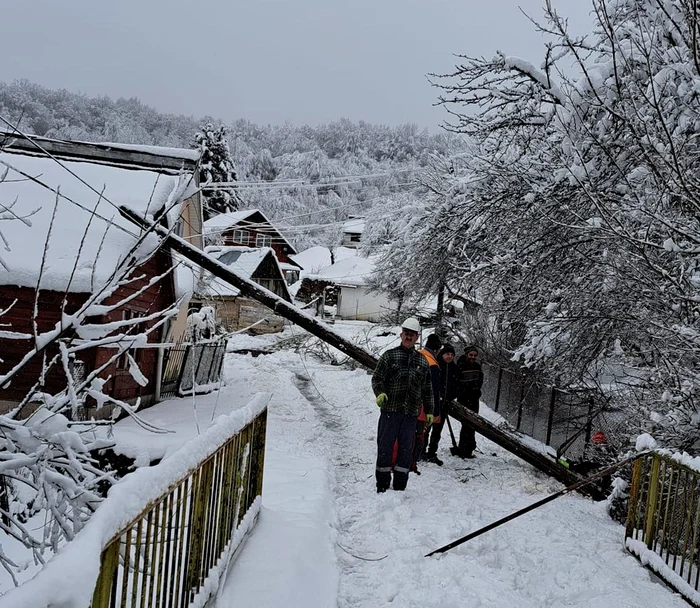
508	441
579	484
253	290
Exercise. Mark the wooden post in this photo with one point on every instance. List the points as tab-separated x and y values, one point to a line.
514	445
633	508
498	388
550	418
652	496
105	581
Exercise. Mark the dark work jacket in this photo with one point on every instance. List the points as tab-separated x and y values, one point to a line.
448	380
469	381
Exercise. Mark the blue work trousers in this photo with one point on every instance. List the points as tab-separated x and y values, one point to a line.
394	427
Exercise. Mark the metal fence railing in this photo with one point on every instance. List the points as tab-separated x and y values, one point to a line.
188	367
165	534
163	557
663	521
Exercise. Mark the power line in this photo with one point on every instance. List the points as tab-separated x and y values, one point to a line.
304	182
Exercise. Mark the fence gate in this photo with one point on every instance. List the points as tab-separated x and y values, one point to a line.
188	366
663	522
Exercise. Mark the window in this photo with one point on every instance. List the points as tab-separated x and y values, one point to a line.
241	236
355	238
263	240
179	227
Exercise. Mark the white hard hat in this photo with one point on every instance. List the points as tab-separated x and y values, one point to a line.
411	324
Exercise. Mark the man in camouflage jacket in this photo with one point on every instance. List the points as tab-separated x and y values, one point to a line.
401	383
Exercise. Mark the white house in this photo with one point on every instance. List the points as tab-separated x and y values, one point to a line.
355	301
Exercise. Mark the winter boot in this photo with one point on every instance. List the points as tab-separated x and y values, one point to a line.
433	457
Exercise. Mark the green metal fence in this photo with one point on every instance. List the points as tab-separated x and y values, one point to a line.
162	558
663	521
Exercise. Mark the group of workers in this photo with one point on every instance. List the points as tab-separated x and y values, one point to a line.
414	389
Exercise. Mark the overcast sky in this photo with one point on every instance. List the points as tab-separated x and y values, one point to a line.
270	61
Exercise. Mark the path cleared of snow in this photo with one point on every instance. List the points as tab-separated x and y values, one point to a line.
323	528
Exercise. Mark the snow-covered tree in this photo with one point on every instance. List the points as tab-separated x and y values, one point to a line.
576	217
216	167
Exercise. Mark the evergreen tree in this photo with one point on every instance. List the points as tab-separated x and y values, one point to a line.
216	166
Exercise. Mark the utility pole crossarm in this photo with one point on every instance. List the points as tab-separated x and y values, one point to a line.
253	290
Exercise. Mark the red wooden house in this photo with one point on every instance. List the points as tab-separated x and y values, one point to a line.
252	228
70	213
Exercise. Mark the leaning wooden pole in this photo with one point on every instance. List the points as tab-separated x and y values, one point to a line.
253	290
506	440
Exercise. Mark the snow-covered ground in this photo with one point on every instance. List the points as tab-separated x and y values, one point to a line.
325	538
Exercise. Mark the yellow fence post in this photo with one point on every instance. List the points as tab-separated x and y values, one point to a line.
106	579
652	497
633	507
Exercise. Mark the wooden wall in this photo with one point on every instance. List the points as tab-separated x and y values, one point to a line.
121	385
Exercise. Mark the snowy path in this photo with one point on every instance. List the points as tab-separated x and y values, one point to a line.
325	538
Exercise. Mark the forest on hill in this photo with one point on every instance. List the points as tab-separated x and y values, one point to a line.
365	165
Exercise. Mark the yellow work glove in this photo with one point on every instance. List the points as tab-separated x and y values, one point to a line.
382	399
429	420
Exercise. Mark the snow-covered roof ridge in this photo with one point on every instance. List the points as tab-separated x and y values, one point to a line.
87	236
156	158
227	220
183	153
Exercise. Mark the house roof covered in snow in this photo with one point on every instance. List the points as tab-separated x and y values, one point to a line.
244	261
351	271
253	219
313	259
69	209
355	225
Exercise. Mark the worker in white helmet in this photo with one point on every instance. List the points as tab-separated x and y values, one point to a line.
401	383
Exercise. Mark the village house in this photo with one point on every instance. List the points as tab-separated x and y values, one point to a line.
234	311
252	228
352	231
69	210
349	279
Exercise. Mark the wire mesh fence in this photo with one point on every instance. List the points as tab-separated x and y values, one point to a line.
578	424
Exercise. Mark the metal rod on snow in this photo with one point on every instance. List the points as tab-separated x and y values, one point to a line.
602	473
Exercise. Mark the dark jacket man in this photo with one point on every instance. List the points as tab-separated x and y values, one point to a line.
401	383
469	381
448	376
